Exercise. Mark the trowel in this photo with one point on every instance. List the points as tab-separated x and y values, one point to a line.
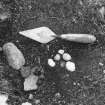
45	35
41	34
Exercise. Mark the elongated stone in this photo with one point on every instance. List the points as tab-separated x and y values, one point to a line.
14	56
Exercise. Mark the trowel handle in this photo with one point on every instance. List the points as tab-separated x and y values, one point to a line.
81	38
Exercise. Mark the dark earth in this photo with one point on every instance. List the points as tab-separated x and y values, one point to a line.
61	16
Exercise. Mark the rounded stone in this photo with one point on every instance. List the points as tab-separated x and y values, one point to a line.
61	51
57	57
70	66
51	63
66	56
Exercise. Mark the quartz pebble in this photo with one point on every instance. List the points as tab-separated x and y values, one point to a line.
66	57
3	99
57	57
26	103
30	83
51	63
61	51
70	66
14	56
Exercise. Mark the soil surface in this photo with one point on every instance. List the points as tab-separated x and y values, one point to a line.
61	16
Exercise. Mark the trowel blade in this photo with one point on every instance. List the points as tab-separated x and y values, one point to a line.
41	34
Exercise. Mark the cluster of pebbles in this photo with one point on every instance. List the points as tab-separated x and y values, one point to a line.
16	61
64	59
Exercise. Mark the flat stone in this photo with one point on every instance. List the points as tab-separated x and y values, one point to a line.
30	83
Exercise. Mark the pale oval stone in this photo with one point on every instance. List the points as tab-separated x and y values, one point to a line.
30	83
70	66
14	56
26	103
61	51
51	63
66	56
57	57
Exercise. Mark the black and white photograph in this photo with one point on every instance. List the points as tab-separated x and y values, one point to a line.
52	52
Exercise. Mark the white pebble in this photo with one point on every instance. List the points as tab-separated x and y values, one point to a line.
101	64
26	103
66	57
70	66
61	51
3	99
57	57
51	63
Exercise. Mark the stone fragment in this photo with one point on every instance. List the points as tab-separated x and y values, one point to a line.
61	51
30	83
14	56
3	99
